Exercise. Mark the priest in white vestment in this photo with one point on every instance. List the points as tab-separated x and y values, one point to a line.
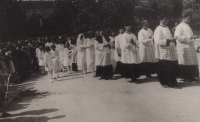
187	57
104	65
166	53
147	50
130	55
117	55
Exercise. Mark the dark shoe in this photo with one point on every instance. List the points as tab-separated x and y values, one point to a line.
95	76
4	115
165	86
135	81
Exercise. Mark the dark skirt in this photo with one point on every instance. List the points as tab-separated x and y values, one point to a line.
105	72
168	72
131	71
188	71
119	67
149	68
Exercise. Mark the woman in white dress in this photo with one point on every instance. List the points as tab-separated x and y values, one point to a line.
81	59
56	62
90	52
67	58
41	59
49	64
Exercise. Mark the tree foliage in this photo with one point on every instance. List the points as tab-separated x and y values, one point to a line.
193	7
12	19
74	16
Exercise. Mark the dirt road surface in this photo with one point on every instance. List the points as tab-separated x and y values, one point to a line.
82	98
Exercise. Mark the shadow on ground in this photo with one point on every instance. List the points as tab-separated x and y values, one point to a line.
69	79
145	80
188	84
25	93
32	119
24	98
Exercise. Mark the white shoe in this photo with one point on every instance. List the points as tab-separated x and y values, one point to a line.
51	81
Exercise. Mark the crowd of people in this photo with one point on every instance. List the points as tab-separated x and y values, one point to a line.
169	54
105	54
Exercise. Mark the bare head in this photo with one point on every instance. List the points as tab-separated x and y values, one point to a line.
187	18
129	28
163	19
145	23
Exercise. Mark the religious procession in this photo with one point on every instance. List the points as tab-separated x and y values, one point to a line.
120	52
130	51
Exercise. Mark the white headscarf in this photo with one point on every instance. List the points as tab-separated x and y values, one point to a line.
79	41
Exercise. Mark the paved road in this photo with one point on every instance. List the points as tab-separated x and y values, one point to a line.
82	98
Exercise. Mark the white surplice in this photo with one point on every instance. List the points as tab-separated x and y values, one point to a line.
129	52
103	53
185	46
162	50
146	46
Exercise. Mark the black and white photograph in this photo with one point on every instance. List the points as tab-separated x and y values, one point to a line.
99	60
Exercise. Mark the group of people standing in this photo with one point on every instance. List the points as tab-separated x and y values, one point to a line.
160	52
104	54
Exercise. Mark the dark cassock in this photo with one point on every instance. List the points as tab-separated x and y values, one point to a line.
147	52
130	55
166	53
104	67
187	57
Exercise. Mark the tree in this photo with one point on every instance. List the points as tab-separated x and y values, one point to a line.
12	20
